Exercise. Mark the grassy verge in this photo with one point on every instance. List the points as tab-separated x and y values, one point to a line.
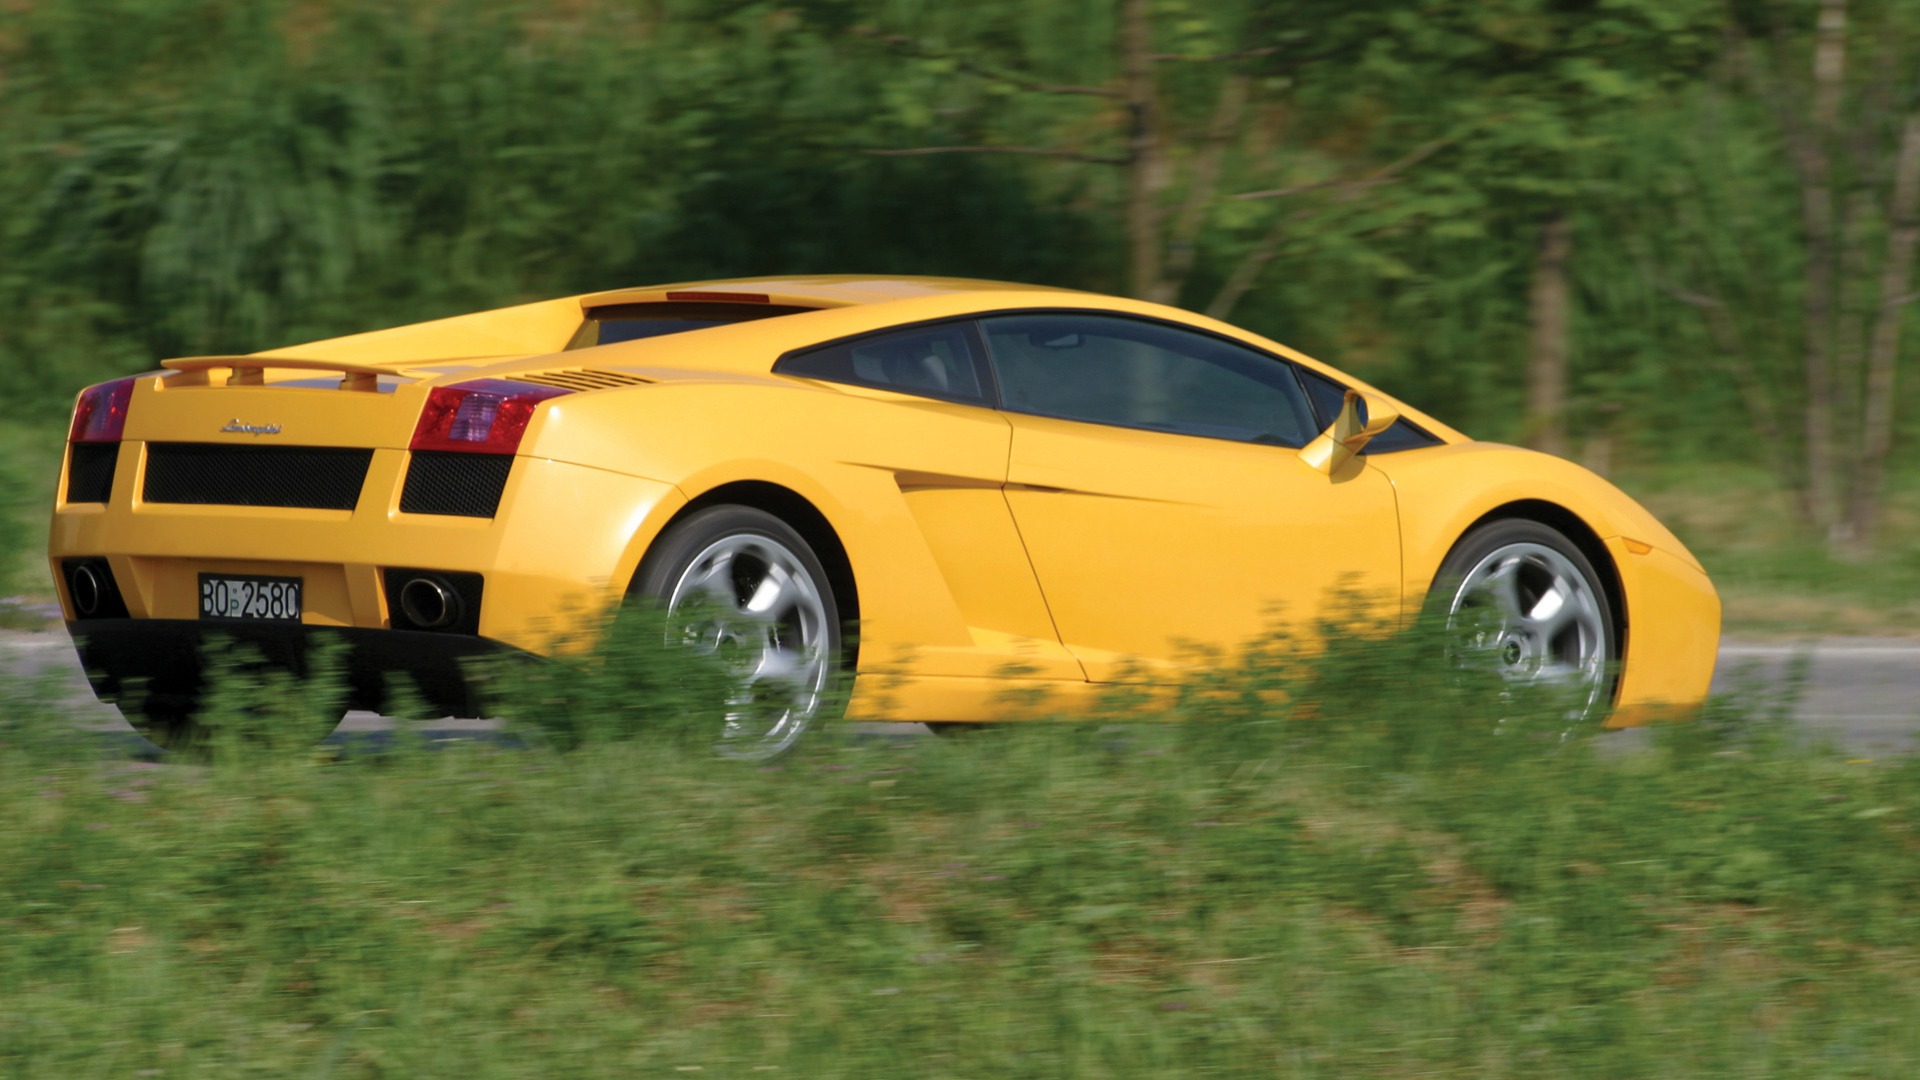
29	469
1386	883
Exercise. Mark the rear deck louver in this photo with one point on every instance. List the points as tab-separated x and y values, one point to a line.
581	379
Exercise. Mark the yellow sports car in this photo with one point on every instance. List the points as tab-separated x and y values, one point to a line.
998	485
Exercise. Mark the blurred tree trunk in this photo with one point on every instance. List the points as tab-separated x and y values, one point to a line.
1857	173
1146	156
1883	354
1550	303
1813	160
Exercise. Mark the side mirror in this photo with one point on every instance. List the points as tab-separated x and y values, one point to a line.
1349	433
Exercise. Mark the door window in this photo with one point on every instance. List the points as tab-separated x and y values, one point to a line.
1134	373
931	361
1328	396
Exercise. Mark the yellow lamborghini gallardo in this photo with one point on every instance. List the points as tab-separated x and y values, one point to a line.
991	482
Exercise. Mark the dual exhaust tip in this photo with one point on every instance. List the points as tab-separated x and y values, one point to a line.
427	601
430	603
91	589
88	591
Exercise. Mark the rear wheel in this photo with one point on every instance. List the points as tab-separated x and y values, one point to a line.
742	585
1522	601
165	722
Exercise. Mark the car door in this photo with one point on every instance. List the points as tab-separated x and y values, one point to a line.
1155	482
963	597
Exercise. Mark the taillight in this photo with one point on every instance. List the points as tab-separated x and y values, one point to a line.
485	416
101	413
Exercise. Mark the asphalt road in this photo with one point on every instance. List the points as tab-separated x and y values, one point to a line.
1862	694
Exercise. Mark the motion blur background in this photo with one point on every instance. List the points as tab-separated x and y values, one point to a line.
1673	239
1670	238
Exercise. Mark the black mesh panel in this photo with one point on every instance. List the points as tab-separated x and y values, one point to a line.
316	478
464	485
90	472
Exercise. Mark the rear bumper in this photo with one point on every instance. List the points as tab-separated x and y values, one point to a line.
165	662
556	555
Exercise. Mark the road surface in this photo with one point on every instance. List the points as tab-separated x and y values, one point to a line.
1862	694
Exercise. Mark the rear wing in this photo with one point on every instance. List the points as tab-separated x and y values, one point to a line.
252	370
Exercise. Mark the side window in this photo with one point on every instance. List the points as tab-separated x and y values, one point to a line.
1133	373
932	361
1328	396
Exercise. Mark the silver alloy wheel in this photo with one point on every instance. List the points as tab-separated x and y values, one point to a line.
751	601
1528	614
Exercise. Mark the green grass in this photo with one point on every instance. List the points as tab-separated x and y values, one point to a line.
29	469
1387	883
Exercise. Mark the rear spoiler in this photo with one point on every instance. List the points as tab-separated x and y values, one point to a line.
252	370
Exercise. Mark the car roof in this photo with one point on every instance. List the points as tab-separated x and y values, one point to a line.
533	335
821	290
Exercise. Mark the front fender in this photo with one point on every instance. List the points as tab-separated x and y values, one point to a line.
1672	611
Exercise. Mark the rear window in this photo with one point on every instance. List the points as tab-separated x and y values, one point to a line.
631	322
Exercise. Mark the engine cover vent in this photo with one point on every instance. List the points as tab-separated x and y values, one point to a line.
581	379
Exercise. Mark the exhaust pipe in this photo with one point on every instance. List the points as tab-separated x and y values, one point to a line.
87	591
429	604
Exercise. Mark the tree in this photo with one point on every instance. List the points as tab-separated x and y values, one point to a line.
1185	114
1833	83
1267	132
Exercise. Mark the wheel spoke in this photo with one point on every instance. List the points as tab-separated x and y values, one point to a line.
713	584
1561	673
785	667
1553	638
1556	608
775	640
776	595
1502	586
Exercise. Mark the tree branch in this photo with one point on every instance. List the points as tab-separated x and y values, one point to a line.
1249	54
1737	362
1384	174
905	44
1205	182
1220	58
1027	151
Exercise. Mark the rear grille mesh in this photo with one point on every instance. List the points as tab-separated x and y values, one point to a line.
463	485
581	379
210	474
90	472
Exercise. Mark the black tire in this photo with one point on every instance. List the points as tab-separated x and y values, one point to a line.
684	558
958	730
166	722
1537	560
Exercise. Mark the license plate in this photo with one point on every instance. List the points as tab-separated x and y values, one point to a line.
250	598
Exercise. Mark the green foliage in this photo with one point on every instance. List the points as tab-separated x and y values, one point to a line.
627	684
182	177
297	171
1309	863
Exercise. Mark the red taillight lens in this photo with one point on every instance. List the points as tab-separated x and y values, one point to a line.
485	416
101	413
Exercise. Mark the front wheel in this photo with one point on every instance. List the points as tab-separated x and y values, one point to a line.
1522	601
744	586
